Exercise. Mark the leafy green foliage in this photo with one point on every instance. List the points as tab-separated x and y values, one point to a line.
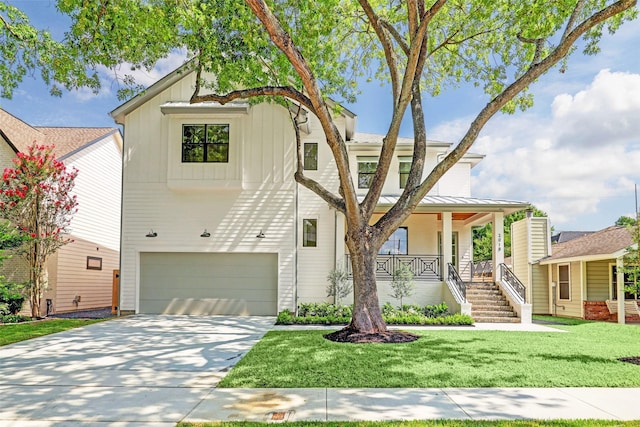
11	298
331	314
25	50
339	284
625	221
483	236
402	283
631	260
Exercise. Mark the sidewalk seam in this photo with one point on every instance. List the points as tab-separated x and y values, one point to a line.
456	403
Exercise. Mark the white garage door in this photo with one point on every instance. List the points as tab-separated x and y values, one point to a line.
204	283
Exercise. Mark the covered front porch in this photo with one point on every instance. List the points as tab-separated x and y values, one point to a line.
436	244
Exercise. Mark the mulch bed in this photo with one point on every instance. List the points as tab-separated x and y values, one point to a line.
633	359
348	335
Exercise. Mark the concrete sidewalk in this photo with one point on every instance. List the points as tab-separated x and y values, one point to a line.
319	404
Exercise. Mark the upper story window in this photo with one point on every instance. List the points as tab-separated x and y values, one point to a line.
310	156
205	143
404	168
366	170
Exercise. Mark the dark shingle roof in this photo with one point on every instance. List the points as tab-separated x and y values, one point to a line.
604	242
65	139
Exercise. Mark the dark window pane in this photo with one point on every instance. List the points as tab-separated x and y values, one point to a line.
218	153
218	133
367	167
310	156
192	153
309	232
405	167
192	134
364	180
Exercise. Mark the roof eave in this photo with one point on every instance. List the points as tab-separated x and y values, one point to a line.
121	111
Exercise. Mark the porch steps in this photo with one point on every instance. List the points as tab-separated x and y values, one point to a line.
489	305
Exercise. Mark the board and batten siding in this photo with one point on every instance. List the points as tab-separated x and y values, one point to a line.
598	280
233	205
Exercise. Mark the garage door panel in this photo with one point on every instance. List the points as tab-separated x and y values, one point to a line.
206	283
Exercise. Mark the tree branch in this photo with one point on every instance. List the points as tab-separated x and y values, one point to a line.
577	10
333	200
389	53
396	36
333	137
285	91
398	213
413	71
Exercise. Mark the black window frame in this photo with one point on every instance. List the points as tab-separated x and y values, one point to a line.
366	176
220	147
310	158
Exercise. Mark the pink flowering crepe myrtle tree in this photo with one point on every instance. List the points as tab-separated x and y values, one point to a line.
36	197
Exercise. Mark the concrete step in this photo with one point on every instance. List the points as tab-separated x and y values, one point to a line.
490	307
483	291
491	302
497	319
492	313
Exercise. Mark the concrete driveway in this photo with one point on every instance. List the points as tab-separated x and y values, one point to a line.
132	371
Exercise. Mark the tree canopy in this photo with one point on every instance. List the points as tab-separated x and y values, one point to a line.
305	52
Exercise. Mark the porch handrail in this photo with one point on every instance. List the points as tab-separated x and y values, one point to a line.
456	285
512	283
423	267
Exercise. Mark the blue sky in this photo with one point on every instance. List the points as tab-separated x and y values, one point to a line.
575	154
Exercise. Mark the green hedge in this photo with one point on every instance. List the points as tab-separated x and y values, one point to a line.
330	314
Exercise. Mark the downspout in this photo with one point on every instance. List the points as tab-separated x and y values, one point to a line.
295	247
121	225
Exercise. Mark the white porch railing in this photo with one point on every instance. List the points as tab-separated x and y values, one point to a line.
423	267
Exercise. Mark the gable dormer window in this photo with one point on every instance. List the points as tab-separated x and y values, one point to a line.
205	143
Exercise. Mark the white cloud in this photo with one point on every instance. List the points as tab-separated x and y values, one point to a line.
109	78
570	158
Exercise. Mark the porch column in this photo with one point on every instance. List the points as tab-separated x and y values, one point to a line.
447	231
340	251
498	242
620	288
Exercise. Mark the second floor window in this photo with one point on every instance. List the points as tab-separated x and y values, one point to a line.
404	167
310	156
205	143
366	170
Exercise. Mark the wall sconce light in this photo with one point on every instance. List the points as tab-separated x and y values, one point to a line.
260	235
152	233
205	233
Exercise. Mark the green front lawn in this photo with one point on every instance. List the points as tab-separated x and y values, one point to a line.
584	356
429	423
11	333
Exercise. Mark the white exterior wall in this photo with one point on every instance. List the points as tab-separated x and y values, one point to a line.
254	191
315	263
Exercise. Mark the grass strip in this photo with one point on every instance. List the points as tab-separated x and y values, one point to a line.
583	356
11	333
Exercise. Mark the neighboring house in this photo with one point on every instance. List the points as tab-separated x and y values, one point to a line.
80	274
565	236
577	278
214	223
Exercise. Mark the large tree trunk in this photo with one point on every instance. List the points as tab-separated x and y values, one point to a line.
367	316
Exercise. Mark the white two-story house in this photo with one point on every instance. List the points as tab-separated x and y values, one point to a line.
213	221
